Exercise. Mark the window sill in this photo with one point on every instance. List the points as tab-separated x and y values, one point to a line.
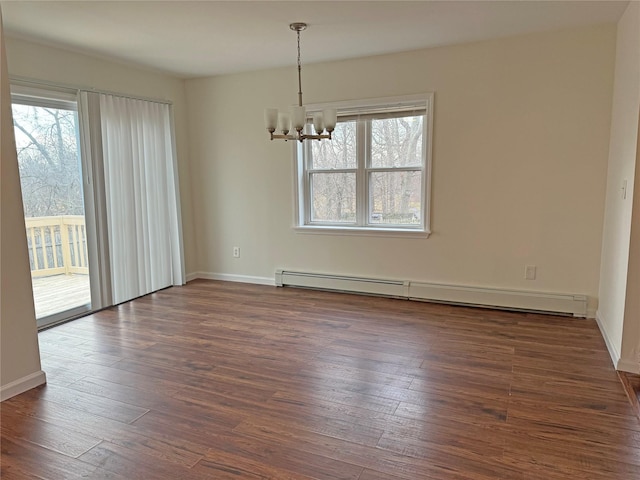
364	231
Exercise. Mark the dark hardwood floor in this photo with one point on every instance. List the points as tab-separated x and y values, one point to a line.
231	381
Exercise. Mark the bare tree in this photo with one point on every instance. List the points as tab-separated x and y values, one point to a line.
46	140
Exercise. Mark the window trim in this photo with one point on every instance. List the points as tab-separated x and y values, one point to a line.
302	211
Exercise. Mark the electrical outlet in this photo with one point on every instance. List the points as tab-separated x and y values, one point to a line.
530	272
236	252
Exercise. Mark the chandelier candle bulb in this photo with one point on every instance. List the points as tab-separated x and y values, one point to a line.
271	119
318	123
284	123
298	117
330	116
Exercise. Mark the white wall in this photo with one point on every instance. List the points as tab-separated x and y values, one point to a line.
519	164
19	355
618	212
40	62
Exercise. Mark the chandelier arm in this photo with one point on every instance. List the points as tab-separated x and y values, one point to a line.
299	136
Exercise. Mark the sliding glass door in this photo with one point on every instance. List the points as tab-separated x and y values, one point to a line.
47	143
100	198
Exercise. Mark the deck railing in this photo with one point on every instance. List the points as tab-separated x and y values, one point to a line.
57	245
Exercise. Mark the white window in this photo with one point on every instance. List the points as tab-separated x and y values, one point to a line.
374	175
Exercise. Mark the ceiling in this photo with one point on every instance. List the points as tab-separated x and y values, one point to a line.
202	38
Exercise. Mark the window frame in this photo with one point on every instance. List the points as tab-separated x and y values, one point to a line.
363	169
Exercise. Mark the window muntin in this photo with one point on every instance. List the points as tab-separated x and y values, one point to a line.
374	174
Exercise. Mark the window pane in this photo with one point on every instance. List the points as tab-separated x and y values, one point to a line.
333	197
396	142
340	152
395	198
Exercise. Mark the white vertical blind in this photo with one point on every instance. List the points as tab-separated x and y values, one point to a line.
141	201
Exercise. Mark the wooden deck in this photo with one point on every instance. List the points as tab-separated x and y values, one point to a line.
58	293
228	381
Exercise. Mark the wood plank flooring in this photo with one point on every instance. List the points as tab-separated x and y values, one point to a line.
223	381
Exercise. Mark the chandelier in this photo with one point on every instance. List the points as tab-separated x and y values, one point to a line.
296	119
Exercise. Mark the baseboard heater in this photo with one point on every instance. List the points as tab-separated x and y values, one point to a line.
575	305
341	283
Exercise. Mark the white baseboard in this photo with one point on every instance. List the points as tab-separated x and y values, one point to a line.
22	385
191	276
613	351
228	277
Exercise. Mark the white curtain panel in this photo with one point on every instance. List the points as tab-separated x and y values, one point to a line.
141	201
